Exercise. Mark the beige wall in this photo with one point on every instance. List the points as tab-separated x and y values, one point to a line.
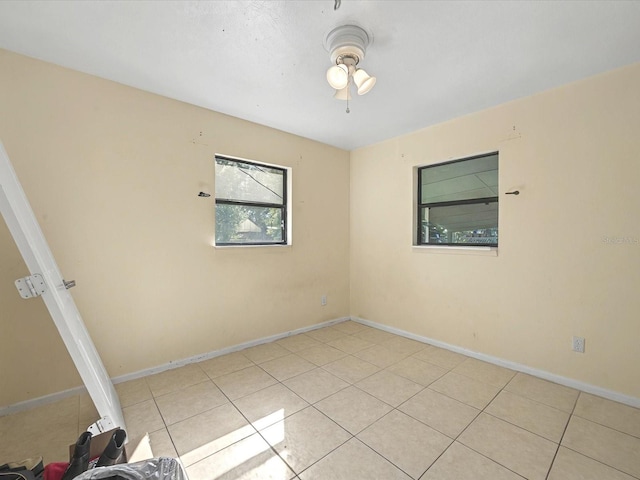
573	153
112	174
33	359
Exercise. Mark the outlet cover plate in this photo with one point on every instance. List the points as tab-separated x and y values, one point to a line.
578	344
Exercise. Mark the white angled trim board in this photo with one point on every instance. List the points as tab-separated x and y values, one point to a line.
26	232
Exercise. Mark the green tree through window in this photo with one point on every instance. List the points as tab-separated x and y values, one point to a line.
250	203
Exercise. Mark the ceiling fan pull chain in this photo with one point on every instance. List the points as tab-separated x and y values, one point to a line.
348	88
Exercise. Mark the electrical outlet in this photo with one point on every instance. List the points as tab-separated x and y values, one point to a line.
578	344
323	300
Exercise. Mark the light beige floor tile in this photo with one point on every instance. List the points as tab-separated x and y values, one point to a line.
161	444
53	447
462	463
88	413
485	372
548	422
322	354
270	405
440	412
175	407
608	446
243	382
441	357
249	459
418	371
353	461
176	379
405	346
86	421
198	437
374	335
48	433
87	408
305	437
142	418
218	366
325	334
350	344
29	422
133	391
552	394
513	447
407	443
351	369
265	352
380	356
389	387
365	328
353	409
349	327
465	389
286	367
570	465
608	413
315	385
295	343
527	402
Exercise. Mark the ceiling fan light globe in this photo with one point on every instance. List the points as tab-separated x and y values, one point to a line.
342	94
363	81
338	76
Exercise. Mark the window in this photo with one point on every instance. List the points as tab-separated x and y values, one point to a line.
251	203
458	202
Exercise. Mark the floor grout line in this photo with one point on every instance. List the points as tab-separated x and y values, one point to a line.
350	436
553	460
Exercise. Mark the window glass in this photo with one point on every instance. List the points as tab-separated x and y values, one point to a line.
238	224
247	181
470	224
477	178
251	203
458	202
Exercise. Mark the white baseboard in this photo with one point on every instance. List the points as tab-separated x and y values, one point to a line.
40	401
54	397
568	382
223	351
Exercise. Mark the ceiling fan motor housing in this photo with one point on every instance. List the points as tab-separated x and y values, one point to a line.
347	41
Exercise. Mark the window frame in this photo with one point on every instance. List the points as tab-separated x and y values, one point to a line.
284	206
472	201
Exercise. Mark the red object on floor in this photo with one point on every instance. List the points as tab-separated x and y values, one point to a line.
54	471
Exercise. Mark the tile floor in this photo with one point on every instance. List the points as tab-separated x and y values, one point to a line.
352	402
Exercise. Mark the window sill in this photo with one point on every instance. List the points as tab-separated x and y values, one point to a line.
223	247
483	251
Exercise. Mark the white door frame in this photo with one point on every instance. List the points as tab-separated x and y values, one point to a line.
26	232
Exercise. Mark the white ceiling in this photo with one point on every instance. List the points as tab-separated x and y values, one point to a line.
265	61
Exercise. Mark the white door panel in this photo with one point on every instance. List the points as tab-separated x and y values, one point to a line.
26	232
